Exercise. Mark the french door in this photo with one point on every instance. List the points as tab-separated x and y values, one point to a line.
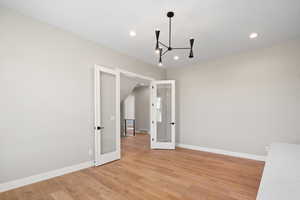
107	115
163	115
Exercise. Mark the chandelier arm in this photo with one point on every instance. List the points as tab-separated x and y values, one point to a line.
160	55
163	44
170	31
164	52
182	48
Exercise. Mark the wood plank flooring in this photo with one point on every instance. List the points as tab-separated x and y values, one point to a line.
142	173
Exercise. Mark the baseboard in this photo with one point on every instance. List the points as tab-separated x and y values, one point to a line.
44	176
224	152
143	131
51	174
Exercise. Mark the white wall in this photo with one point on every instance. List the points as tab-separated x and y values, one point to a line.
127	85
129	107
240	103
46	103
142	108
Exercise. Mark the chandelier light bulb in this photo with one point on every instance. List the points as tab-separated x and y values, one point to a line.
253	35
132	33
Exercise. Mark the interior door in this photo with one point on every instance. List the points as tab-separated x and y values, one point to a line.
107	115
163	115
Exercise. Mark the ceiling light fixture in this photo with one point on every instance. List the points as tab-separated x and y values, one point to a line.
132	33
168	47
253	35
176	57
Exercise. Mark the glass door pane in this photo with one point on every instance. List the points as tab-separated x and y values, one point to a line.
164	112
108	112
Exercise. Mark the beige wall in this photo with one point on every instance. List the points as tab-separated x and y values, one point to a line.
46	103
142	108
240	103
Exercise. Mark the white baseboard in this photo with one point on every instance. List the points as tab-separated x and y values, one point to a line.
40	177
51	174
143	131
224	152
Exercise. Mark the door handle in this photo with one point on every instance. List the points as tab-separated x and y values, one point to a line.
99	127
172	123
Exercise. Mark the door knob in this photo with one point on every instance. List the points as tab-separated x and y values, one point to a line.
172	123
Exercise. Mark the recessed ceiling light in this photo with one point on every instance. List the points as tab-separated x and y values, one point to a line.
176	57
132	33
253	35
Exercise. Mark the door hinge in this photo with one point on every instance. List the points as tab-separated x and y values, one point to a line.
152	87
152	139
152	122
153	104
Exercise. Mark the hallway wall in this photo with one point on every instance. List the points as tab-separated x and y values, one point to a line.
142	108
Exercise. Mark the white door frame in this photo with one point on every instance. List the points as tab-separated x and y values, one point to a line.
97	141
117	155
154	143
101	159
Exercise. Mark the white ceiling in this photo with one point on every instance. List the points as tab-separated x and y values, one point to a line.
220	27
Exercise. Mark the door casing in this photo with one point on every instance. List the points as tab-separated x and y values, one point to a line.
154	143
102	159
108	157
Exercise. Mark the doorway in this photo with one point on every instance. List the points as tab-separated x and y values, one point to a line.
135	114
109	124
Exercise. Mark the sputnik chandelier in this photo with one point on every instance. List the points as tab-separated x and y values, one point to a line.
159	45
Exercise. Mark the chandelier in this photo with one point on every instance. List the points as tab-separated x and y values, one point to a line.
159	48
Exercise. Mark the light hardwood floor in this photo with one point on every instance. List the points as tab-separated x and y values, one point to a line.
142	173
